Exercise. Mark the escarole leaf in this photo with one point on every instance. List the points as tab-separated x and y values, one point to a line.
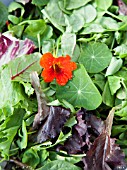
80	91
8	131
95	57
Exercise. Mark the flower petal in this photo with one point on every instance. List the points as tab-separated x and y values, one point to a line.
48	75
46	60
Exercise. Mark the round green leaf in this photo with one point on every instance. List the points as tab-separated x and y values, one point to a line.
95	57
80	91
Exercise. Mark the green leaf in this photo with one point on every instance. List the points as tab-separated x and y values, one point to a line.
114	83
11	92
88	12
3	15
92	28
35	27
8	131
103	4
80	91
56	17
14	6
21	67
40	2
74	22
31	157
48	46
59	165
23	142
95	57
69	46
121	50
108	23
114	66
108	99
72	4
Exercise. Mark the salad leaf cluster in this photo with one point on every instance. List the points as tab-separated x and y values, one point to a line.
48	126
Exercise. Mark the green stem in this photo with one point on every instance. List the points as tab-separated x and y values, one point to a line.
39	44
114	16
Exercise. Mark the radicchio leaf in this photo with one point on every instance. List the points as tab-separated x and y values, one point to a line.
53	124
10	48
122	7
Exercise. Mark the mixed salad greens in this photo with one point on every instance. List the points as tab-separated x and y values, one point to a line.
80	125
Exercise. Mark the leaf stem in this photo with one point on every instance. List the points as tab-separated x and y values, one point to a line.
114	16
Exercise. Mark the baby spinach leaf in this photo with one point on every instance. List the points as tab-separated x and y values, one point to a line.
69	46
95	57
103	4
80	91
114	66
72	4
88	12
114	83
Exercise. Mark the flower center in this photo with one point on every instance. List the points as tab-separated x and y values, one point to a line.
57	68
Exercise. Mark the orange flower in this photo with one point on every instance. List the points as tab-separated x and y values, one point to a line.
57	68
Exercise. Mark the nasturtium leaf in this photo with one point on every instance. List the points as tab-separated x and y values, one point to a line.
72	4
80	91
60	165
114	83
103	4
69	46
95	57
3	15
114	66
88	12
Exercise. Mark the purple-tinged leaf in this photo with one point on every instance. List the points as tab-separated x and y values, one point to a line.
43	109
122	7
53	124
104	154
10	48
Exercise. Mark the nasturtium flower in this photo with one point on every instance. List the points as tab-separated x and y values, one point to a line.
57	68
